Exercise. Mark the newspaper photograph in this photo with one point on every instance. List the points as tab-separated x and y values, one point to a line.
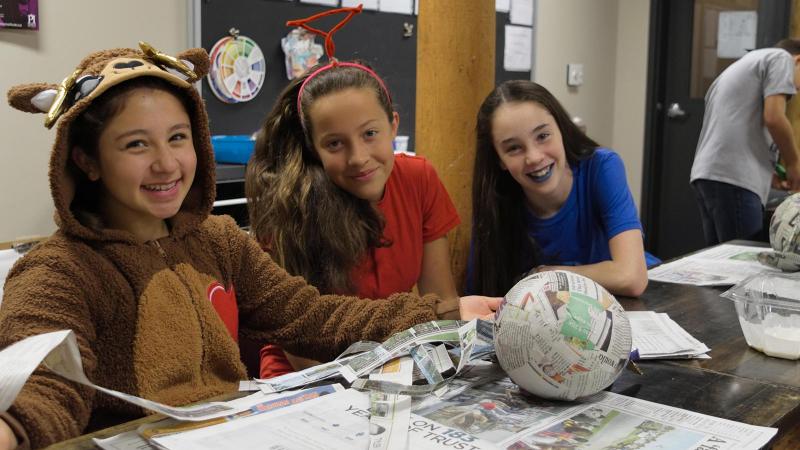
723	265
500	414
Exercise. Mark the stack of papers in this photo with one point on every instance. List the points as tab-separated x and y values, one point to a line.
656	336
722	265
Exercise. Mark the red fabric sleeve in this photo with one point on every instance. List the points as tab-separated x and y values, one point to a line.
273	362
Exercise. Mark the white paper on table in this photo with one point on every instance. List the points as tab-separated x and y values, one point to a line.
339	420
517	51
59	352
130	440
521	12
396	6
258	403
322	2
502	5
657	336
367	4
725	264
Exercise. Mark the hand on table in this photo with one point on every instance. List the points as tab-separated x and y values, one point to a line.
478	307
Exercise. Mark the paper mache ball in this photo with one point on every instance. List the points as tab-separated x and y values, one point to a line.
560	335
784	236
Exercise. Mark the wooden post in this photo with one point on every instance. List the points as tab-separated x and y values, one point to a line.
455	72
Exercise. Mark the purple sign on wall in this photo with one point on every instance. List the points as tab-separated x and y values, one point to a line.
20	14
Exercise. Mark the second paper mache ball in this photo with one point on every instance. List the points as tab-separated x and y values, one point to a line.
560	335
784	236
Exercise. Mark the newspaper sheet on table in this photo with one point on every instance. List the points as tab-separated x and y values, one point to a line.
656	336
255	404
499	414
723	265
492	415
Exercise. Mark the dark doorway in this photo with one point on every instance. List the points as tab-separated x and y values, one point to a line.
683	61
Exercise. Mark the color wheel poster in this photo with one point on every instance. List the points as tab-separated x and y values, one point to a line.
21	14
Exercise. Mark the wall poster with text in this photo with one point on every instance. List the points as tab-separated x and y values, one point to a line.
20	14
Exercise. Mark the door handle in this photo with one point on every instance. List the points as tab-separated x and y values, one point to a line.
675	111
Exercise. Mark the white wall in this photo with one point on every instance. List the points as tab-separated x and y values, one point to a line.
585	32
630	89
609	37
69	30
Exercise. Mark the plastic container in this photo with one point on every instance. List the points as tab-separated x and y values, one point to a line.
768	305
234	149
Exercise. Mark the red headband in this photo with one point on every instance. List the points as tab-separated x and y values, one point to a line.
330	50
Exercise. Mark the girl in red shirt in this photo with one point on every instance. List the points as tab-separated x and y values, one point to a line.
331	202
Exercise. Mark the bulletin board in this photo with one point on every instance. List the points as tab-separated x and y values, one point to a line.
372	36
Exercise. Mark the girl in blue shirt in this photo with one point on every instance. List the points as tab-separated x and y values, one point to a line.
546	196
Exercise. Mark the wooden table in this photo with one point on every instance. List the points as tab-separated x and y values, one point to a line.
738	383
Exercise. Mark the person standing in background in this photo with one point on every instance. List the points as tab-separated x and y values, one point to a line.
745	130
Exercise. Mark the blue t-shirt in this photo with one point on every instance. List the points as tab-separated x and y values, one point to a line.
599	207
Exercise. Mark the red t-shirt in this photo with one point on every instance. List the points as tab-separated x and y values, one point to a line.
417	210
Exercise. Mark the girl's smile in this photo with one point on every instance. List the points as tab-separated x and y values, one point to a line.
353	138
529	145
146	162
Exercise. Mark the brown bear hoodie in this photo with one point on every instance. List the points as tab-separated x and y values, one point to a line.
160	319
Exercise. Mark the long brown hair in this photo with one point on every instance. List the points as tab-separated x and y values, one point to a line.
311	226
501	248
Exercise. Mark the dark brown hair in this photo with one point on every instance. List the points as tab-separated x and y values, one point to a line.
501	248
790	45
311	226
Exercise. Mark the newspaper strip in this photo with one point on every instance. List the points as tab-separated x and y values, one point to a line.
316	373
725	264
655	335
467	336
302	378
256	404
390	413
433	362
435	331
59	351
535	350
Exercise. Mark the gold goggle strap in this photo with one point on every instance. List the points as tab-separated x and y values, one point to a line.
165	60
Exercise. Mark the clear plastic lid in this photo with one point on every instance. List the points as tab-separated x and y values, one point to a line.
768	288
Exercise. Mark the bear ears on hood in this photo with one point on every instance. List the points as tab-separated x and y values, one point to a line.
104	69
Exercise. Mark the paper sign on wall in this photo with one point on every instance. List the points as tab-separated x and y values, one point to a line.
736	33
517	52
